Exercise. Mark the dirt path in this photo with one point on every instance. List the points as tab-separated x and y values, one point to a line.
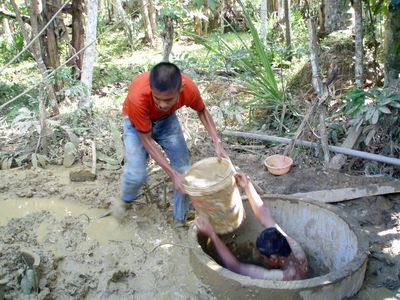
145	258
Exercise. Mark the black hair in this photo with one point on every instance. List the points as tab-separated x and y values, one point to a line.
165	77
270	241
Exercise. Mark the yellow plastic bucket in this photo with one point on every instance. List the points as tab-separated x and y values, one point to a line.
212	188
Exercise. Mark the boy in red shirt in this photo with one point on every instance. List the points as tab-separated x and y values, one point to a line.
150	108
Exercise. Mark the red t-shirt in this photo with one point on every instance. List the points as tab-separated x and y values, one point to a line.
140	108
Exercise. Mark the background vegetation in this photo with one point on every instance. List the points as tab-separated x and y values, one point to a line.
251	61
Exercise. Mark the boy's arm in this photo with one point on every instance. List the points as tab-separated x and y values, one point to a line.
158	156
208	122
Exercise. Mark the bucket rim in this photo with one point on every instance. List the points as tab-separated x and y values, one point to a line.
227	174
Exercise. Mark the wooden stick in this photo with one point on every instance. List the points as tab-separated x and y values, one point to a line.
94	158
323	134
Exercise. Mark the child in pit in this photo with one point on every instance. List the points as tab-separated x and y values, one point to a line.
282	254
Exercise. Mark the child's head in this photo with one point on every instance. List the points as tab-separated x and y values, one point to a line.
165	77
271	242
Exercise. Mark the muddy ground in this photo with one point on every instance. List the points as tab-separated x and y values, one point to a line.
145	257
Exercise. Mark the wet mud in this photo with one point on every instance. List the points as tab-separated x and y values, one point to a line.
84	256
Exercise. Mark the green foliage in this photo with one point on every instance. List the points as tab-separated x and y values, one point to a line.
8	51
72	88
110	73
8	91
252	65
374	109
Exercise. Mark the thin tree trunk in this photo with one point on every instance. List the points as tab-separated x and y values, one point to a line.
281	10
49	8
148	31
392	42
167	37
77	35
89	53
6	28
272	6
198	25
319	88
263	17
152	17
321	18
288	27
357	5
206	14
316	78
336	15
35	50
119	13
101	6
109	10
43	124
221	17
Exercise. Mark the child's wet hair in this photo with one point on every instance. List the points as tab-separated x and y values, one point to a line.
270	241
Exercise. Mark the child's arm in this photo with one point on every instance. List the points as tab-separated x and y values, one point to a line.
259	207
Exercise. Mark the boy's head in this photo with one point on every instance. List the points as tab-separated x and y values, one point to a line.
273	246
165	84
165	77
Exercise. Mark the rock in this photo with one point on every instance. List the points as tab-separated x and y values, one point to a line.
81	176
69	154
377	293
27	282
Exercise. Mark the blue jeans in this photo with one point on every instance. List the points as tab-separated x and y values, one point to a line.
167	133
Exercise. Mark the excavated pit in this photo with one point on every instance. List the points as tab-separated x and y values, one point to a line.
336	250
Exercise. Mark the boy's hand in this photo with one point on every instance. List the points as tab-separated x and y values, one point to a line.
179	181
242	180
205	226
220	151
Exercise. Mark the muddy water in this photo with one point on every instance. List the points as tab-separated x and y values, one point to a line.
102	230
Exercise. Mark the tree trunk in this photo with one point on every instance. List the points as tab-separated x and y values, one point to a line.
49	8
119	13
316	78
358	67
77	35
321	18
167	37
35	49
88	58
6	29
272	6
43	124
109	10
198	25
281	10
288	27
336	15
101	6
319	88
207	16
152	17
148	30
263	18
221	17
392	42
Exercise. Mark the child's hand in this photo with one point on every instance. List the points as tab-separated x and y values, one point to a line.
242	180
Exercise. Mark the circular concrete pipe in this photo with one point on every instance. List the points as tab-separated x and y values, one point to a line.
336	249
